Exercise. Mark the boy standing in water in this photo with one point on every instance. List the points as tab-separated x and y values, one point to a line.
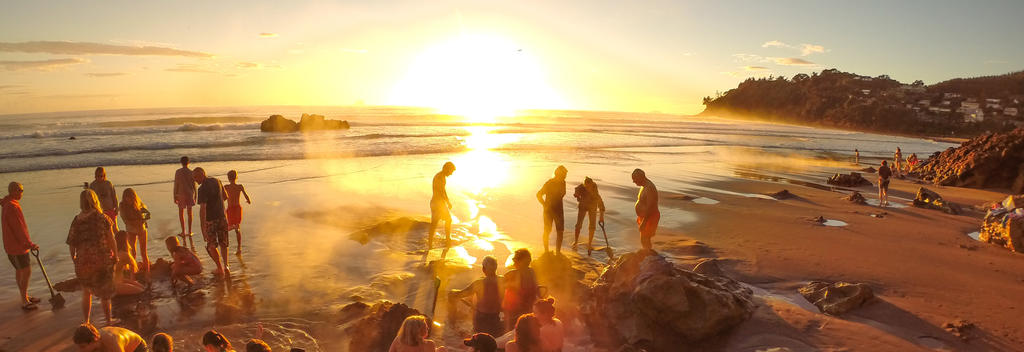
105	192
234	213
440	205
647	214
185	197
550	196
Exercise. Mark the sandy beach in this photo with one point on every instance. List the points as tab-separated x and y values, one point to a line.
306	252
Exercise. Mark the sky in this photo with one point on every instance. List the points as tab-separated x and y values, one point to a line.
476	57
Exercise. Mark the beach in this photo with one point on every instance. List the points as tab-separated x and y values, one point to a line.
306	252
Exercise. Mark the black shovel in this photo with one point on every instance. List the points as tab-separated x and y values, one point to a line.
56	300
607	246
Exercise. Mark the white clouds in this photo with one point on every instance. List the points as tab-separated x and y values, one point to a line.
750	58
85	48
190	68
805	49
792	61
40	65
268	35
105	74
755	68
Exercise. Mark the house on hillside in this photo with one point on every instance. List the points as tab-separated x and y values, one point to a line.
974	114
970	105
1010	111
865	91
950	95
924	102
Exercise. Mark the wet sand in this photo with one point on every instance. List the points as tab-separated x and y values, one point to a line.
303	260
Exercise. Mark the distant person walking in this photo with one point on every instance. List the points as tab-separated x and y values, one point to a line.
884	174
185	197
211	198
234	213
897	165
590	203
487	291
17	244
108	196
134	214
521	288
550	196
94	252
856	156
440	205
647	214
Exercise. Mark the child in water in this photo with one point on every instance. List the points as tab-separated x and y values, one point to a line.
185	262
234	211
124	273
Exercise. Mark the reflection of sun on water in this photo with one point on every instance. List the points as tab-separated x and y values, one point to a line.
480	168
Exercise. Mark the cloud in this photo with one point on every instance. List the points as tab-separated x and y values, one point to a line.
749	71
755	68
807	49
189	68
85	48
249	65
776	44
268	35
750	58
105	74
41	65
792	61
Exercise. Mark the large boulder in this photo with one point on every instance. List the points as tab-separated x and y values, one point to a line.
377	325
643	300
836	298
989	161
277	123
852	180
1004	226
927	198
856	198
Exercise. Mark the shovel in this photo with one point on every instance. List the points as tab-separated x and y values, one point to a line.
607	246
56	300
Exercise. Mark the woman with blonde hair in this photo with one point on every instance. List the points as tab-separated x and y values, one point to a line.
412	337
94	252
526	337
134	214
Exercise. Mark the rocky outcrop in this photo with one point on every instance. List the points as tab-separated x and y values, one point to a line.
868	170
780	195
989	161
277	123
836	298
399	226
1004	224
852	180
856	198
644	301
927	198
372	328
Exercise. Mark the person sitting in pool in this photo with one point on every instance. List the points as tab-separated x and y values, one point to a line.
110	338
124	273
214	341
256	345
412	337
487	291
185	262
162	343
552	332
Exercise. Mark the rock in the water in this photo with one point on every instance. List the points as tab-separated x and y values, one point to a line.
989	161
277	123
852	180
927	198
783	194
856	198
836	298
378	326
645	301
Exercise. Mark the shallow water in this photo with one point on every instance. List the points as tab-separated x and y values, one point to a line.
834	223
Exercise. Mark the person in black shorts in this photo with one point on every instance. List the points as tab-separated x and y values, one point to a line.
210	197
17	244
550	196
884	174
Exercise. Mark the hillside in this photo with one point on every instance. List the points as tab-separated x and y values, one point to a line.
959	107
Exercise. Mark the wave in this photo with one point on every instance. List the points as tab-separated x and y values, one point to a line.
186	127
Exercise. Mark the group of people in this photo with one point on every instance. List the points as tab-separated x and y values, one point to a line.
886	173
550	197
104	255
88	338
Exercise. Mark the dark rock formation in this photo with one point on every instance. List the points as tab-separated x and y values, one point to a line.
1004	225
644	301
780	195
959	328
852	180
708	267
376	326
277	123
927	198
836	298
989	161
399	226
868	170
856	198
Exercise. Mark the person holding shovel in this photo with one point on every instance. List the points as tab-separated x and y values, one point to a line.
590	205
17	244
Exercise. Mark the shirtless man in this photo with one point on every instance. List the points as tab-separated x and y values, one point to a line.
550	196
235	191
647	214
211	198
440	206
185	197
107	339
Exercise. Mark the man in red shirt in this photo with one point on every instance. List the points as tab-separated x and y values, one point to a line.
16	242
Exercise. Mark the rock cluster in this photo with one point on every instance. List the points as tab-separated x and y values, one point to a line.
989	161
1004	224
372	328
927	198
644	301
836	298
277	123
856	198
852	180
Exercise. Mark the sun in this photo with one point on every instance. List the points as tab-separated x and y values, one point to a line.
480	77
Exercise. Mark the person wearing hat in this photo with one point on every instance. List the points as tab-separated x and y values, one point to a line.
481	342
